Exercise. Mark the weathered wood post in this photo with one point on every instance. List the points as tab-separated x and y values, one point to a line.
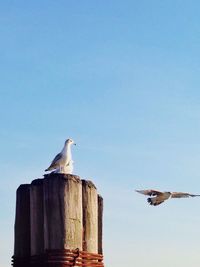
22	227
58	223
62	212
90	217
100	224
36	221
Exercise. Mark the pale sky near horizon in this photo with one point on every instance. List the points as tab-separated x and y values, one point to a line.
122	79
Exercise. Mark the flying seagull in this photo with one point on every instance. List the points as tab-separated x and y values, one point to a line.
63	163
158	197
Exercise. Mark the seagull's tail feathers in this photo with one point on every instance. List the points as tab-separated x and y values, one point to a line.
49	169
154	201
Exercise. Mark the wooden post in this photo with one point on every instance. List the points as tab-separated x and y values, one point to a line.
22	224
56	219
90	217
62	212
37	217
100	224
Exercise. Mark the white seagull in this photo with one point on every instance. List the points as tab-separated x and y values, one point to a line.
63	162
160	197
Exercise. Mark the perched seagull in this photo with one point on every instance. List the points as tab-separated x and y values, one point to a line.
160	197
63	162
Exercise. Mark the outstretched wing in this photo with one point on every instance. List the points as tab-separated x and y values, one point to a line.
182	195
149	192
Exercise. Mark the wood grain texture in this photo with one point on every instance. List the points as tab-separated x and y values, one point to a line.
62	212
37	217
90	217
100	224
22	222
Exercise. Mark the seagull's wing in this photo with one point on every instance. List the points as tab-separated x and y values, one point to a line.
182	195
57	158
54	162
149	192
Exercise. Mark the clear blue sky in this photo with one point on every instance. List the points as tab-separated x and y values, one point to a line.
122	79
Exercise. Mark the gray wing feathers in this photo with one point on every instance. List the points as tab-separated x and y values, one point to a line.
149	192
182	195
57	157
54	162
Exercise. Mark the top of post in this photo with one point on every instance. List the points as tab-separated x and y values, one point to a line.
23	187
88	183
63	176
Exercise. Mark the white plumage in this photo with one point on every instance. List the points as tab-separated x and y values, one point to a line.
63	163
